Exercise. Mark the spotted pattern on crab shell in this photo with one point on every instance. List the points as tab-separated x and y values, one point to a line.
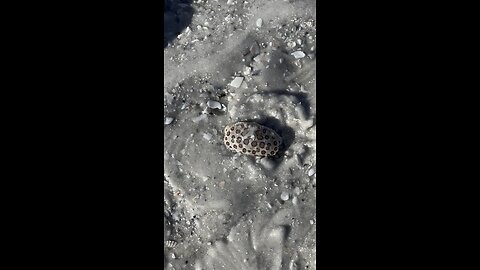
251	139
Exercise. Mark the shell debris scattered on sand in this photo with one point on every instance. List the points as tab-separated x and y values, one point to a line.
251	139
170	244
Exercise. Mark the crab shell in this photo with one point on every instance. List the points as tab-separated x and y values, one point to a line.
251	139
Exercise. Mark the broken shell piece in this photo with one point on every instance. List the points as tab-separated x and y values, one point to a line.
251	139
207	136
247	70
214	104
236	82
254	49
169	98
199	118
168	120
298	54
258	58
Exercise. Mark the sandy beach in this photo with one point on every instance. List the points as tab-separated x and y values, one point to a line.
229	61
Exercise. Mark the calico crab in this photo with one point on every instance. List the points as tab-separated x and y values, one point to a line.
251	139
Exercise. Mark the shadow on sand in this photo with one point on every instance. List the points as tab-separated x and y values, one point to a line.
177	15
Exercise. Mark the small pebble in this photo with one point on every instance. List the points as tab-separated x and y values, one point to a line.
236	82
168	120
267	163
284	196
311	172
298	54
297	191
247	70
259	22
295	200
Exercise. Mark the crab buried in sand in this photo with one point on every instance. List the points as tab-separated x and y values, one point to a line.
251	139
